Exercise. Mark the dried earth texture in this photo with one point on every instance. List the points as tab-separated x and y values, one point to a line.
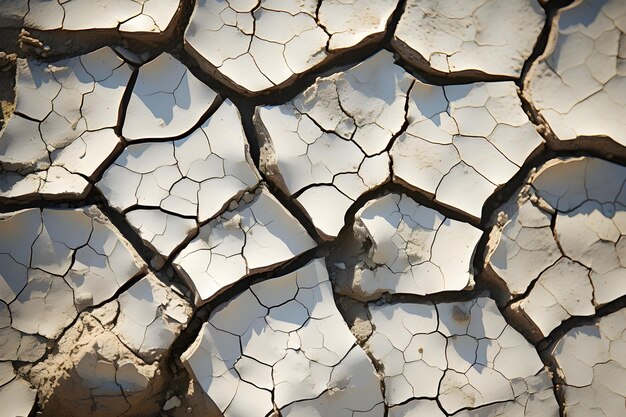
409	251
475	36
590	358
255	46
577	85
356	130
560	247
126	16
313	208
62	128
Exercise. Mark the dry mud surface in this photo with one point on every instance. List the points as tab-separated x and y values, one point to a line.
300	208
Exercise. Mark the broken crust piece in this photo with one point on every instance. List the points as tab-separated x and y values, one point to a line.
254	237
257	46
283	345
167	101
564	236
16	396
150	317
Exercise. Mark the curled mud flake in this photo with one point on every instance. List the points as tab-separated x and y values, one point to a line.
590	360
459	357
166	188
560	252
446	37
282	345
256	46
61	132
256	236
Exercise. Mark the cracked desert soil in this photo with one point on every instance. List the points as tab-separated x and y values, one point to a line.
313	208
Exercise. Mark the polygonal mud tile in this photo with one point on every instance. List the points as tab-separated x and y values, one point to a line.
16	395
462	355
54	263
62	130
340	138
558	249
578	84
463	142
167	101
413	249
126	16
472	37
258	45
591	361
282	345
256	236
165	188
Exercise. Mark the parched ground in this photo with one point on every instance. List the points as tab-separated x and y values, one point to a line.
298	208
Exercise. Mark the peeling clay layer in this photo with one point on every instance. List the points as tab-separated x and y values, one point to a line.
312	208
